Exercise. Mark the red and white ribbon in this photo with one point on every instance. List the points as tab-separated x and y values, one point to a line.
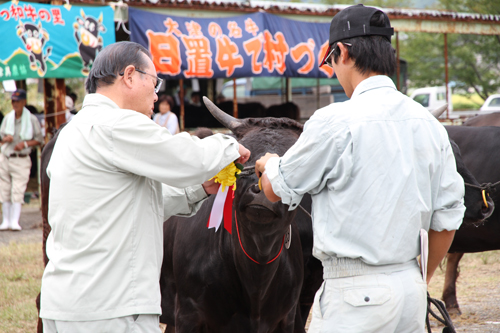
222	208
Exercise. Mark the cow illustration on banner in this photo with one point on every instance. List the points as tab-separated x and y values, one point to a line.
88	38
34	38
258	44
38	43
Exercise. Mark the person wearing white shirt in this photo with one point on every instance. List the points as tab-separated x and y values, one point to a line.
115	176
166	118
20	131
379	168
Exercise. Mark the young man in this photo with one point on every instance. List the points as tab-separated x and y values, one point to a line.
115	176
20	131
379	168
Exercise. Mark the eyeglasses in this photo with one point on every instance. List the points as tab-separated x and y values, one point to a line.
327	60
157	83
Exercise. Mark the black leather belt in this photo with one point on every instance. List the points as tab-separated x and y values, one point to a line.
18	155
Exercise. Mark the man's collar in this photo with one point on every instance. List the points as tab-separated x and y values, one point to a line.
99	100
373	82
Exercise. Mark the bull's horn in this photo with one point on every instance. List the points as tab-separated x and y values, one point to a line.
439	111
225	119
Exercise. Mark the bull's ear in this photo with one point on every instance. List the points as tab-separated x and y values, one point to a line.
439	111
226	120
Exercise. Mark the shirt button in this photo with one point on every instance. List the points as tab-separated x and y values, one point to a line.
367	299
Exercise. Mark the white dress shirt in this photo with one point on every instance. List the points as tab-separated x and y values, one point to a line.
107	205
379	168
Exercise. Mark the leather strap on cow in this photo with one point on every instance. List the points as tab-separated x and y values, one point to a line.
241	245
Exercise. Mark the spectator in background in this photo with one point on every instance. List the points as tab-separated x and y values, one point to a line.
33	155
166	118
195	99
70	108
20	131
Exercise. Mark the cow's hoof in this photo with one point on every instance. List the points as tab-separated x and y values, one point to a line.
454	312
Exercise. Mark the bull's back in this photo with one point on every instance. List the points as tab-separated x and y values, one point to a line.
479	147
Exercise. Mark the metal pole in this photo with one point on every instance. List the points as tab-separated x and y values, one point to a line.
181	97
398	69
235	100
210	90
446	72
288	90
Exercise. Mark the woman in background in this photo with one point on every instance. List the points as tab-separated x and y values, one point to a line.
166	118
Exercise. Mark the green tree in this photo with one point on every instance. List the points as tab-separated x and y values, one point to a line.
474	60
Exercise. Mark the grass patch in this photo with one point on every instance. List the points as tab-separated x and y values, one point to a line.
477	290
20	276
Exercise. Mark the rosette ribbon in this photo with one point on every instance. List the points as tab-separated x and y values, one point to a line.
223	203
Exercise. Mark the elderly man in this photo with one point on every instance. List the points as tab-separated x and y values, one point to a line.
379	168
115	176
20	130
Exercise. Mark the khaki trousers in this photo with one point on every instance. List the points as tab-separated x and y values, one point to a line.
376	303
14	177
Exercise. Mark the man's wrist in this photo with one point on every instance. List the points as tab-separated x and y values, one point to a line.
26	144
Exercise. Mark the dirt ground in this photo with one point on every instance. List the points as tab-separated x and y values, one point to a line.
478	285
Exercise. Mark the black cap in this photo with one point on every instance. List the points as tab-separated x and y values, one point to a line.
18	95
354	21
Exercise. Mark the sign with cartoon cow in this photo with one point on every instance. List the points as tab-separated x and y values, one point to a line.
45	41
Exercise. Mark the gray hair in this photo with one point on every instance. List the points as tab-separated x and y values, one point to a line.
112	60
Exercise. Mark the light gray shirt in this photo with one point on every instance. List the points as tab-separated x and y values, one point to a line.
8	147
379	168
107	205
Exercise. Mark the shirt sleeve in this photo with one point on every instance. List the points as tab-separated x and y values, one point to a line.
182	201
322	156
146	149
449	206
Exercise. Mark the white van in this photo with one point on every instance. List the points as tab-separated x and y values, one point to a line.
431	97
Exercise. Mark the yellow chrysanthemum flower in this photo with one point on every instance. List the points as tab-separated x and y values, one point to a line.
227	176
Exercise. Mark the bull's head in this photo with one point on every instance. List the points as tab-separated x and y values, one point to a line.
255	213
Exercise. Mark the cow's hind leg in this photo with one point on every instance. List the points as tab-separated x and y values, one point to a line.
450	283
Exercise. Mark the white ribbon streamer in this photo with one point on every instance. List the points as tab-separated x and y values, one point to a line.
217	209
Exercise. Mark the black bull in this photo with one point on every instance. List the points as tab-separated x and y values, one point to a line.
480	147
208	282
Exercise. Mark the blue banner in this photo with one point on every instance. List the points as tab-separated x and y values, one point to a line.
258	44
45	41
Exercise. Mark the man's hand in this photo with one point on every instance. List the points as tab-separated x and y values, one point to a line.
210	186
19	146
7	138
244	155
260	165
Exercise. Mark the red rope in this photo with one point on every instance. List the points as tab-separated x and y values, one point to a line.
241	245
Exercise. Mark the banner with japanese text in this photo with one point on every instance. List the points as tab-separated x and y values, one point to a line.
258	44
45	41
